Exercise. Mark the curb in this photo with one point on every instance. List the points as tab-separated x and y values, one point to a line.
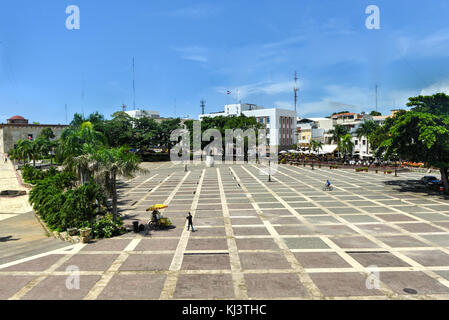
64	236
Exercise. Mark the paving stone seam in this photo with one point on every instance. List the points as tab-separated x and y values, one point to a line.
304	278
238	279
351	261
27	288
171	281
383	244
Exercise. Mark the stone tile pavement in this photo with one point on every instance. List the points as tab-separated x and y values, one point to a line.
287	239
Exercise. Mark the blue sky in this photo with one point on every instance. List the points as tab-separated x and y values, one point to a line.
188	50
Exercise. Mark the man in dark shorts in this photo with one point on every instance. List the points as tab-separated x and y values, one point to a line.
190	219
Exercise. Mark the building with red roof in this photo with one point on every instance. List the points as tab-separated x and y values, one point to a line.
18	128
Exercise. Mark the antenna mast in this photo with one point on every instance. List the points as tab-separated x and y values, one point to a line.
376	96
134	87
295	90
66	113
124	107
203	104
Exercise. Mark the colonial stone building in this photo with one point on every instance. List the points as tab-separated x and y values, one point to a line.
18	128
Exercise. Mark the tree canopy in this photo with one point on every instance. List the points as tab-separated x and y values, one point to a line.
421	134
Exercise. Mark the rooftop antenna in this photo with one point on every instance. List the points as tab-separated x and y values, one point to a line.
82	97
124	107
295	90
65	113
203	104
134	87
175	107
376	95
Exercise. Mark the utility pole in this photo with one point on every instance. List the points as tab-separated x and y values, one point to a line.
203	104
134	87
295	90
124	107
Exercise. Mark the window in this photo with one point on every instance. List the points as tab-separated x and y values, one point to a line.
356	142
268	120
364	142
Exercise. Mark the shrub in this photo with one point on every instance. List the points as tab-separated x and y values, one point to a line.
32	175
106	227
63	206
283	161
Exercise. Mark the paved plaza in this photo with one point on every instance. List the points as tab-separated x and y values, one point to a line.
285	239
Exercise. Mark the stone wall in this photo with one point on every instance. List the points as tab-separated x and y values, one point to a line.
11	133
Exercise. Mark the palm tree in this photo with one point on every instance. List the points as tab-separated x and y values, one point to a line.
24	149
77	148
316	145
365	130
338	132
345	145
113	162
73	139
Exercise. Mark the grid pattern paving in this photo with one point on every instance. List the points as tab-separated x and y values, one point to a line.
286	239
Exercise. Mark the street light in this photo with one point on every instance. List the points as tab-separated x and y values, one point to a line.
395	168
269	171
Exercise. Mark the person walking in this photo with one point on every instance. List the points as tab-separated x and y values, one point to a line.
190	220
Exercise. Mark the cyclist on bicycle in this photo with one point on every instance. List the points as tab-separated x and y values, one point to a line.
328	183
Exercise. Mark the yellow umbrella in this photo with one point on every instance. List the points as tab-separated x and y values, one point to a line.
157	207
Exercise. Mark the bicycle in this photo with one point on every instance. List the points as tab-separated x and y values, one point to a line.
328	188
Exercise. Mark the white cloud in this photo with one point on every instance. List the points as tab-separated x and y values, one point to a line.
285	42
442	86
265	87
193	53
436	43
284	104
355	99
338	98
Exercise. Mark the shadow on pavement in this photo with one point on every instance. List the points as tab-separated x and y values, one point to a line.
8	238
415	186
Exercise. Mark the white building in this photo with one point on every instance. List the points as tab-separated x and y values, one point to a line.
280	123
138	114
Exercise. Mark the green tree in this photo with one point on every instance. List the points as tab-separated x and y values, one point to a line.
24	150
166	127
76	147
316	145
375	113
345	145
47	134
421	134
114	162
365	130
338	132
119	130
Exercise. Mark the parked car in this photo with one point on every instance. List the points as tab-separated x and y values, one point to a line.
430	181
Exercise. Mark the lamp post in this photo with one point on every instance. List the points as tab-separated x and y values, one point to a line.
269	171
395	168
